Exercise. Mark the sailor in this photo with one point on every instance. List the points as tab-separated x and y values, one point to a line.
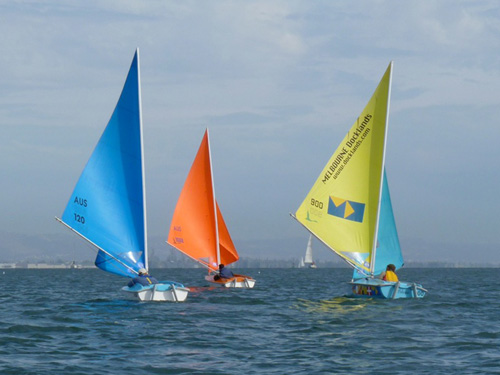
143	278
224	273
390	273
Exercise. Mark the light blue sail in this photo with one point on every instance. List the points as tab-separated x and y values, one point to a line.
388	247
107	206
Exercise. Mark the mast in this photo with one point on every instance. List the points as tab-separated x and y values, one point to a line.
374	245
214	201
142	163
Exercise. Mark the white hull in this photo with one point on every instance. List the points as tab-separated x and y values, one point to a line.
239	281
157	292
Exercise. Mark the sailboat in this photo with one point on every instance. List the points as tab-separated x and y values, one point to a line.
308	258
198	229
108	205
349	207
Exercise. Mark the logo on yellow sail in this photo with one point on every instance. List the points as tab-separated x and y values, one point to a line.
345	209
308	218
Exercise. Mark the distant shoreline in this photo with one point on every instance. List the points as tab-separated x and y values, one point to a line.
262	265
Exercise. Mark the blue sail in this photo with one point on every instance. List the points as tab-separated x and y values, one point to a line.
107	206
388	248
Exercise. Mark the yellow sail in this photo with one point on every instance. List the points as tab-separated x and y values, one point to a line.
342	207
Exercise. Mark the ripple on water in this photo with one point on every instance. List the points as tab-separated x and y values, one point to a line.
292	322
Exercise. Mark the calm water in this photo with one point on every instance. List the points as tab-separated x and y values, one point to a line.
293	322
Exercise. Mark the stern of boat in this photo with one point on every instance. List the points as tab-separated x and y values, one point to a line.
376	288
238	281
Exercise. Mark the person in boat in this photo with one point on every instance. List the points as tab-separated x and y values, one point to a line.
224	273
390	273
143	278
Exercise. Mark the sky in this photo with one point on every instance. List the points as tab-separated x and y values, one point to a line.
278	83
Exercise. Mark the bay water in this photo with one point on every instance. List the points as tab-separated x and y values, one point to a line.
295	321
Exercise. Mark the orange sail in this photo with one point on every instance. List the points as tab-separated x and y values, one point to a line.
195	229
228	253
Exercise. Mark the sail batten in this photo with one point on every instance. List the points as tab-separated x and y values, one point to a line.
342	208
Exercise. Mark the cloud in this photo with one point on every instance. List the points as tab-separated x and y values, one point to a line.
278	83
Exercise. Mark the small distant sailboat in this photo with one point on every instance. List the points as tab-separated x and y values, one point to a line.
349	207
307	261
198	228
308	258
108	205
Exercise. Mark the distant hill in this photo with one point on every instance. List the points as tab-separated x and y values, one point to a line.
286	252
68	247
16	247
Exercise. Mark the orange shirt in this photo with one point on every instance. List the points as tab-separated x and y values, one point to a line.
390	276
